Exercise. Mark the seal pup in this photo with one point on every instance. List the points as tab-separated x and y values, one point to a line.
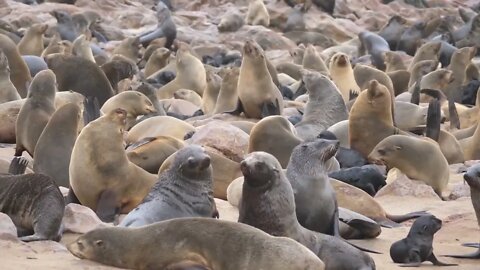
19	73
32	41
269	133
9	92
185	189
366	178
101	176
133	102
54	147
417	246
231	22
418	158
473	180
346	157
35	112
258	96
341	72
257	13
375	45
165	27
80	75
33	202
200	248
325	106
268	204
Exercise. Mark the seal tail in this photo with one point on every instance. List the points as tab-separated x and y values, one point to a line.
434	119
92	109
18	166
402	218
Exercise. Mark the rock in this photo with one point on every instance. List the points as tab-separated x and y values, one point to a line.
229	140
398	184
234	191
459	190
80	219
226	210
7	226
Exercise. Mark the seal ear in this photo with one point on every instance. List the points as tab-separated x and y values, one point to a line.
99	243
425	227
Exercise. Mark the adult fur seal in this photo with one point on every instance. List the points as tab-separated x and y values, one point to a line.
374	45
133	102
393	30
19	73
325	106
257	13
101	176
417	246
9	92
33	202
270	132
200	248
80	75
472	177
183	190
419	158
32	41
54	147
165	27
258	95
35	112
268	204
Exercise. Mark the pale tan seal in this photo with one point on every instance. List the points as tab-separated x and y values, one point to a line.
269	133
257	13
201	248
55	144
133	102
157	60
35	112
157	126
227	99
313	61
342	75
418	158
419	70
32	41
190	74
81	47
211	93
393	61
101	176
428	51
19	73
258	95
130	48
188	95
9	92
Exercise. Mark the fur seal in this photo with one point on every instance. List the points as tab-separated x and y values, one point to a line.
188	95
133	102
158	126
313	61
296	18
346	157
393	61
366	178
428	51
80	75
374	45
191	75
156	61
211	93
117	69
370	119
472	179
9	92
129	48
268	204
65	25
418	158
185	189
419	70
165	27
231	22
400	79
458	64
54	147
227	99
341	72
327	5
258	95
19	73
325	106
81	47
270	132
101	176
307	174
35	112
33	202
201	248
393	30
35	64
417	246
32	41
257	13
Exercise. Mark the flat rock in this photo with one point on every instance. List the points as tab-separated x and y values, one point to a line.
80	219
398	184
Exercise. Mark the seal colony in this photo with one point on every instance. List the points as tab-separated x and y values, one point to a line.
150	117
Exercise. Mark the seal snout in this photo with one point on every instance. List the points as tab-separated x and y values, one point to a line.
342	60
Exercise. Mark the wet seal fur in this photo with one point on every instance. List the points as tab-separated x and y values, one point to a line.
185	189
206	244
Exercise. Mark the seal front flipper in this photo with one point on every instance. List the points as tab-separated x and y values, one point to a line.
18	165
238	110
436	262
187	265
107	207
91	109
268	108
452	110
71	197
434	119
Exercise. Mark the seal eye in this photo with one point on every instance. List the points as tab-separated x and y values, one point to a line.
99	243
381	152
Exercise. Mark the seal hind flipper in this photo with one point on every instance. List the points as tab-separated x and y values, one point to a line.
91	109
268	108
474	255
107	207
402	218
387	223
362	248
368	229
434	120
143	141
18	165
